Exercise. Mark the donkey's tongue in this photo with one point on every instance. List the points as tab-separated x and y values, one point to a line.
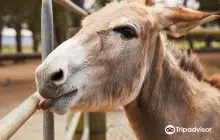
42	101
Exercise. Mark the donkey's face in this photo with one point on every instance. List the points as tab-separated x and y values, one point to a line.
104	65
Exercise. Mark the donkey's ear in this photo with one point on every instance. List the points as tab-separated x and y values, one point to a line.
178	21
145	2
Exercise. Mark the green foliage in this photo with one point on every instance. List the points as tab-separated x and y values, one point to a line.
12	49
196	44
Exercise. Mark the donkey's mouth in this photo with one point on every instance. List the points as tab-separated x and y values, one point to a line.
44	103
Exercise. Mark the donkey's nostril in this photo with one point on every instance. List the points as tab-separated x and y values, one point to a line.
58	75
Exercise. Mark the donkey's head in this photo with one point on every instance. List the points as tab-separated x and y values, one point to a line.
105	64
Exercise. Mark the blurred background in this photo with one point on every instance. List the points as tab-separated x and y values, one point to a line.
20	54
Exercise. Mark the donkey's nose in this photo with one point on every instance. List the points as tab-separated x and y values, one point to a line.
57	76
47	74
51	75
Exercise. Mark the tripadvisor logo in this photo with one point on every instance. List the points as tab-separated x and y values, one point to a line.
170	129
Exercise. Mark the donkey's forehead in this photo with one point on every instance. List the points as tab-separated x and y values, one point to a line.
117	13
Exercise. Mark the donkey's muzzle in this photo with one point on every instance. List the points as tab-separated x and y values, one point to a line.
50	78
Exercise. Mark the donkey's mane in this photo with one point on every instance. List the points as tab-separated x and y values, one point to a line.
190	62
184	59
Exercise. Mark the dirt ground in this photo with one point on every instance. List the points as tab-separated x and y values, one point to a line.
17	83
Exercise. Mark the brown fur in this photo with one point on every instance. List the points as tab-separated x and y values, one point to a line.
215	81
188	61
165	103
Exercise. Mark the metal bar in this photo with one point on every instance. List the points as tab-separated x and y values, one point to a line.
48	125
73	125
16	118
47	37
86	132
97	125
201	35
47	41
73	7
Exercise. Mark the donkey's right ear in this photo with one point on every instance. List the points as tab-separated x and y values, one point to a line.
178	21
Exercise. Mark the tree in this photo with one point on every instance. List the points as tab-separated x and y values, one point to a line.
16	12
3	8
23	12
1	27
32	19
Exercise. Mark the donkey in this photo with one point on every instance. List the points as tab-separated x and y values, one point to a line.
120	58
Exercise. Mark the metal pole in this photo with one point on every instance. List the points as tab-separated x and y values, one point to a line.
48	125
47	37
47	45
16	118
94	124
86	131
97	126
73	7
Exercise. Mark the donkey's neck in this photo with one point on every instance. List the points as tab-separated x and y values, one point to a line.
163	100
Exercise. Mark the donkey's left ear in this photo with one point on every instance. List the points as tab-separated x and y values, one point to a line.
178	21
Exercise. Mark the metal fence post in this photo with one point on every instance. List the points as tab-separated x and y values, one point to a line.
97	126
47	44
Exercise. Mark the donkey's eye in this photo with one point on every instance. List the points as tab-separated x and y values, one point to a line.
126	31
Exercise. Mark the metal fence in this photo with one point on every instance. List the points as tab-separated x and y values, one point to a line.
15	119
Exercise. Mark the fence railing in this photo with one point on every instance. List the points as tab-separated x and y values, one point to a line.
15	119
